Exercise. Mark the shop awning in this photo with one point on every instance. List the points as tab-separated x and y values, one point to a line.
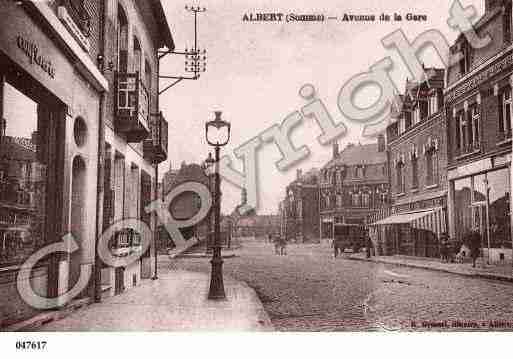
402	218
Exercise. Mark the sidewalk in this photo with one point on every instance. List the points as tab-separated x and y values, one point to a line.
177	301
495	272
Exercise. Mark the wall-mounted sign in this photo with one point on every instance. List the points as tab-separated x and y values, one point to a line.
31	50
73	28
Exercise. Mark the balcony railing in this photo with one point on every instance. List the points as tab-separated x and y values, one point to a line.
79	14
156	148
504	136
468	149
132	107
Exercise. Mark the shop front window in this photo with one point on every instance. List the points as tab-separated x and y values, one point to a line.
499	208
482	204
463	210
23	183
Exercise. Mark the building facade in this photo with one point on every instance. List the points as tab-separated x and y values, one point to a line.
353	185
417	150
478	110
300	209
50	100
81	136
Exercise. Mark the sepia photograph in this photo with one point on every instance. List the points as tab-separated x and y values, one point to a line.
254	166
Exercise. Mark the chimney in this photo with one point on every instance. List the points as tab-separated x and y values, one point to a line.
299	174
335	150
381	143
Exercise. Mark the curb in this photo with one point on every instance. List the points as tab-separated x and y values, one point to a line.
497	277
263	318
198	255
47	317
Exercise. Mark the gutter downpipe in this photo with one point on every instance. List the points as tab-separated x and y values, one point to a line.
101	170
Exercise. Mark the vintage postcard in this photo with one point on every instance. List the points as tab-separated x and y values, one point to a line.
261	166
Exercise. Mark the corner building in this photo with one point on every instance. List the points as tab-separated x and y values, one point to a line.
78	103
50	102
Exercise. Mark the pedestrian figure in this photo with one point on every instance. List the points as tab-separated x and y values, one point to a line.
283	246
444	249
337	246
276	241
368	244
475	246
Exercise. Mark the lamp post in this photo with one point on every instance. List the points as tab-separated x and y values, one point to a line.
209	163
216	278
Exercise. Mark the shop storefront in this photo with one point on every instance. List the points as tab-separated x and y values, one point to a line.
482	204
413	233
48	152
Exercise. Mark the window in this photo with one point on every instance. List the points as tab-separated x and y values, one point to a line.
466	58
505	113
365	200
467	139
137	56
77	11
416	115
27	188
433	103
122	40
407	120
355	200
474	115
400	177
424	109
414	172
339	200
507	23
431	154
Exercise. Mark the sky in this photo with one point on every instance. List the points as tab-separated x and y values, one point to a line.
255	70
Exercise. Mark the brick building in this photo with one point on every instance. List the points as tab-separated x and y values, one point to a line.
300	209
478	108
353	185
417	150
186	204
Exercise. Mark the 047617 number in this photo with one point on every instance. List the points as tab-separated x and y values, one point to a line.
30	345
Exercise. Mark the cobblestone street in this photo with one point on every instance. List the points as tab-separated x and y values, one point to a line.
309	290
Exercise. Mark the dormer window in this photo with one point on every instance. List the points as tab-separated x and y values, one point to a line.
465	50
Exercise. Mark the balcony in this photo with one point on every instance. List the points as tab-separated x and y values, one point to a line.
156	147
132	107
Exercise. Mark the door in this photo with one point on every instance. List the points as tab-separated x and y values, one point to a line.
479	221
119	280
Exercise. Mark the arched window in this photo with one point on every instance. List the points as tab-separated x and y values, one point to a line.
122	40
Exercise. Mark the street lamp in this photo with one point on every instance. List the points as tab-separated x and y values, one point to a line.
209	164
216	278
